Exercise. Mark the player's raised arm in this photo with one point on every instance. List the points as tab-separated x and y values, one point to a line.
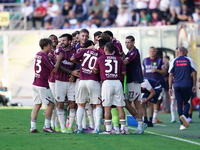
59	58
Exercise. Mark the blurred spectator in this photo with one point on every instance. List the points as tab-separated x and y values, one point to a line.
107	21
190	19
3	94
183	16
164	8
27	10
153	5
113	9
134	18
154	18
66	25
52	11
66	8
91	25
72	19
189	4
141	4
48	25
80	25
173	18
96	20
122	18
39	14
195	15
95	8
124	4
144	18
175	4
80	10
58	21
163	22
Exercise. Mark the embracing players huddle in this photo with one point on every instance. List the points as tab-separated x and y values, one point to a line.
90	77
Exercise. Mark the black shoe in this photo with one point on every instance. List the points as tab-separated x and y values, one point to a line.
150	124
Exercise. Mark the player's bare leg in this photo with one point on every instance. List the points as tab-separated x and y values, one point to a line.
108	121
155	112
34	115
190	112
131	110
122	118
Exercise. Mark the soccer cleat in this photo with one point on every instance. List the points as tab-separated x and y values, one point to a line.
127	132
150	124
154	121
34	131
138	132
50	130
144	126
114	132
173	120
189	120
58	129
53	127
123	132
79	131
182	127
67	125
89	130
64	130
98	131
70	130
105	132
158	121
184	120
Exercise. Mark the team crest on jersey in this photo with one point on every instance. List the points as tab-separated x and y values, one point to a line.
154	63
58	97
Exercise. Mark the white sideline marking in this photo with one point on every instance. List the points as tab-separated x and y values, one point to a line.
172	137
162	125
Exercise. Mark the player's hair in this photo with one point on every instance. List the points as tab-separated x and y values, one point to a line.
109	33
130	37
44	42
84	31
105	36
159	54
181	49
97	33
176	48
102	42
167	57
88	43
52	35
75	33
152	47
68	36
110	47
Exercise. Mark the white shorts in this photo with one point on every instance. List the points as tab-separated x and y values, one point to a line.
42	95
52	87
63	89
76	88
161	94
112	93
133	91
88	91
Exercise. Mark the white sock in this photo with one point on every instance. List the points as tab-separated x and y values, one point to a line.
53	117
56	121
80	112
155	112
173	109
98	115
126	128
140	123
89	111
61	118
122	122
116	128
33	124
94	114
84	120
72	117
108	125
47	122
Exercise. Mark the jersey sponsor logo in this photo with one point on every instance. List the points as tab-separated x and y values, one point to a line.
67	63
110	75
154	63
37	75
58	97
87	71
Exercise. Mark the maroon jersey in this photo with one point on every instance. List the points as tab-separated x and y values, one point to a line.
67	54
118	46
42	66
110	67
52	76
88	59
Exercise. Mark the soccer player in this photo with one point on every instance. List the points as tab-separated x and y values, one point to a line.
96	36
116	43
134	80
181	68
41	92
112	70
151	89
153	68
75	37
89	86
63	86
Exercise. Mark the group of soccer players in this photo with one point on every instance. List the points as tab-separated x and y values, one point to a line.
90	77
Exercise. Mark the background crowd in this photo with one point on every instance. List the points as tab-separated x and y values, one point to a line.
76	14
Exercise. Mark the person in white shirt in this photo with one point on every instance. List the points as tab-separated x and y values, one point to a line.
52	11
141	4
27	10
122	18
195	15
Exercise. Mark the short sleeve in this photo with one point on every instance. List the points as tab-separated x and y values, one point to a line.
48	63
